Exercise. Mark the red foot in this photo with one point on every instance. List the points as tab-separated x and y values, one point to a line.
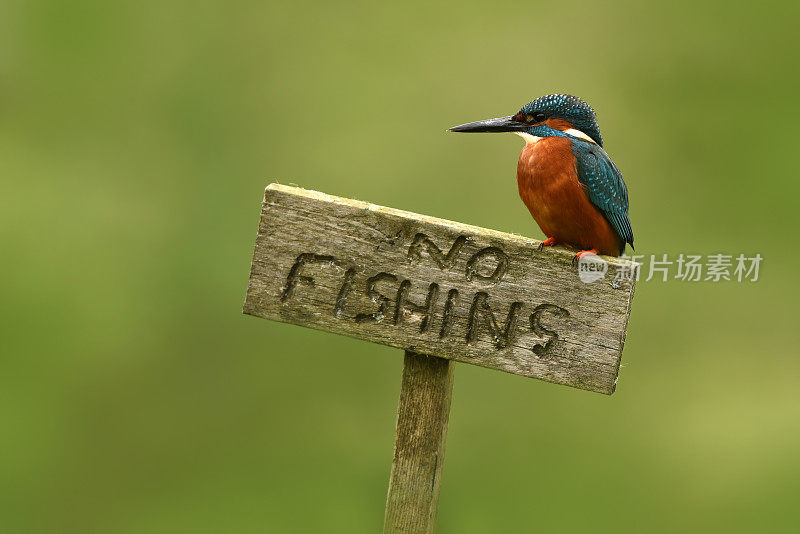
582	253
549	242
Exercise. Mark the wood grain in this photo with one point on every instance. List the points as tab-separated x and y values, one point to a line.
437	287
422	417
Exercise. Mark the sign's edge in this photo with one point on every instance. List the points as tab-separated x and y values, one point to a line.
497	234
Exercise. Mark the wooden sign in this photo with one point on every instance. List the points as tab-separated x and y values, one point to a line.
438	288
444	292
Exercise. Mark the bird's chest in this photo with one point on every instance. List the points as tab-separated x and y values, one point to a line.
549	187
546	173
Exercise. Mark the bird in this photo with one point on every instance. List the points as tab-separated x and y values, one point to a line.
570	185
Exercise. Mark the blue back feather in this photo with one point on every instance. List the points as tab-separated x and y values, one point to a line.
604	186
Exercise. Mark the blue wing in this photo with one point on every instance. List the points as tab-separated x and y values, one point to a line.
604	186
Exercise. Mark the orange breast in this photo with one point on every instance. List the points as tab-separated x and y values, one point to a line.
549	187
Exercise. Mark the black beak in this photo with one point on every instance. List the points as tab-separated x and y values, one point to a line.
502	124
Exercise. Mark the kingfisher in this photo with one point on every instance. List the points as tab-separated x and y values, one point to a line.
573	190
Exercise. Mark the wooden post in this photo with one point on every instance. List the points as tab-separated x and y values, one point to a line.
422	416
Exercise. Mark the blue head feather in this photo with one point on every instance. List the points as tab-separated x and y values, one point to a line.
569	108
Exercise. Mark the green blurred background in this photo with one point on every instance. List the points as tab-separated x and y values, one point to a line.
136	139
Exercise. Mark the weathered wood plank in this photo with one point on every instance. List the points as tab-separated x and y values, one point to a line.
422	417
436	287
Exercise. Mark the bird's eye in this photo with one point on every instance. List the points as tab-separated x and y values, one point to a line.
530	118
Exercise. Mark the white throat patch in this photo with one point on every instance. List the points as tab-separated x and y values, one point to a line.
532	139
529	139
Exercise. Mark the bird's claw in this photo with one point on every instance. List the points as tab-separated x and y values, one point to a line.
549	242
582	253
